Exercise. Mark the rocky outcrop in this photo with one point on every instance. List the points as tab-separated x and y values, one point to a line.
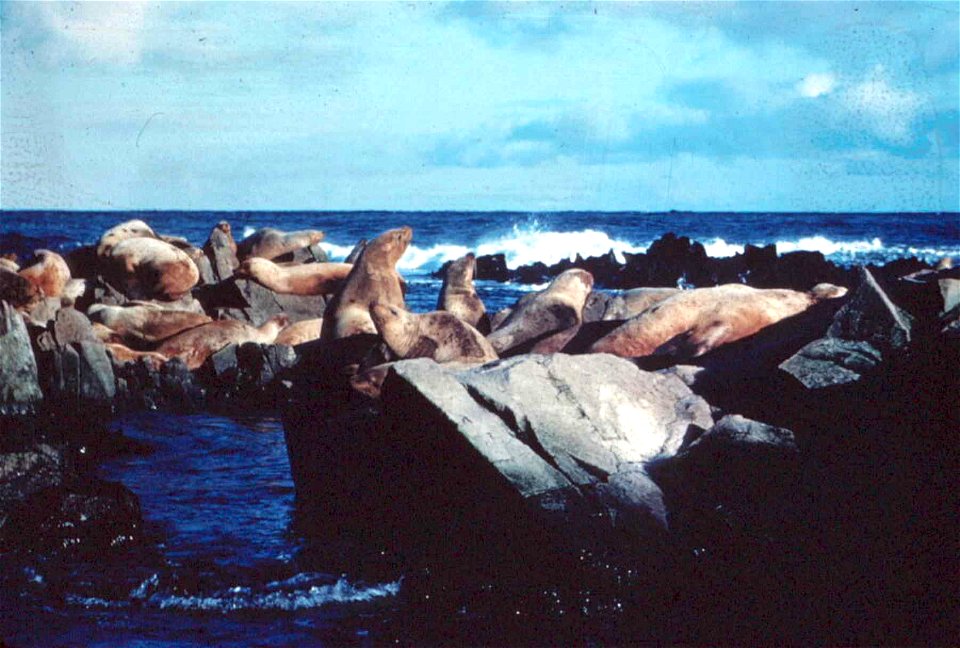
263	303
250	373
568	435
19	383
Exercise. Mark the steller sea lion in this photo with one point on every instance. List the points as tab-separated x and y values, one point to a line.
9	263
269	243
298	279
374	278
145	324
300	332
439	335
458	296
149	267
693	322
49	272
19	292
122	354
122	232
556	310
195	345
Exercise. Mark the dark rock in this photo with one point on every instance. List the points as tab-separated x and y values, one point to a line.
492	267
205	268
829	361
250	372
311	254
535	273
28	471
799	270
221	249
263	303
19	384
17	291
83	262
70	325
870	316
80	372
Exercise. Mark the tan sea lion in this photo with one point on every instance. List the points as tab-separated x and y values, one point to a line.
19	292
49	273
122	354
9	263
693	322
123	231
195	345
269	243
296	279
374	278
556	310
458	296
148	267
145	324
300	332
439	335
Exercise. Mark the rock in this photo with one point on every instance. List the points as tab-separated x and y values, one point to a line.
70	325
492	267
19	383
250	371
221	249
263	303
44	311
17	291
311	254
29	471
740	474
829	362
78	373
570	435
205	269
142	386
870	316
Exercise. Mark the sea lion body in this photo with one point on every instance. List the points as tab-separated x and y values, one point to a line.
18	291
439	335
10	265
537	316
151	267
49	273
123	354
300	332
123	231
268	243
195	345
458	295
145	324
373	278
296	279
693	322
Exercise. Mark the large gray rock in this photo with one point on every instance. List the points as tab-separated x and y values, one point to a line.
80	372
571	435
829	362
221	250
869	316
19	384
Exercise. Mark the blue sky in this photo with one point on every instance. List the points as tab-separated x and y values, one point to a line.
788	106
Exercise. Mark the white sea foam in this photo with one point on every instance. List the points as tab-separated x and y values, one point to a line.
829	247
525	245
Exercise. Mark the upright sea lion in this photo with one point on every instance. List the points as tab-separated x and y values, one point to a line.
195	345
49	272
122	232
458	296
149	267
268	243
145	324
438	335
558	309
374	278
300	332
693	322
298	279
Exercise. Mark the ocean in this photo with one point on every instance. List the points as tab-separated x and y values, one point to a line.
230	562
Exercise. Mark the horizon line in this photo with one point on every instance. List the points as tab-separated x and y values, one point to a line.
465	211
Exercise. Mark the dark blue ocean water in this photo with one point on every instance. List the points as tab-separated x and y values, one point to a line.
230	566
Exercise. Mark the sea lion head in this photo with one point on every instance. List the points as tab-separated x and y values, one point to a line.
462	271
827	291
389	246
130	229
253	267
396	326
575	281
224	227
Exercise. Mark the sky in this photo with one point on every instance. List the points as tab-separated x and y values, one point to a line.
753	106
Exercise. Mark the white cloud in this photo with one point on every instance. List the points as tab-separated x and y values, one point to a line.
882	108
102	31
815	85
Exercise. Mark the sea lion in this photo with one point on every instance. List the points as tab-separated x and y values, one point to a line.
9	263
49	272
300	332
537	316
123	231
269	243
122	354
149	267
458	296
693	322
143	324
19	292
439	335
297	279
195	345
373	278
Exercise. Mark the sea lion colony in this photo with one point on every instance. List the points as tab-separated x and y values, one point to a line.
138	289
